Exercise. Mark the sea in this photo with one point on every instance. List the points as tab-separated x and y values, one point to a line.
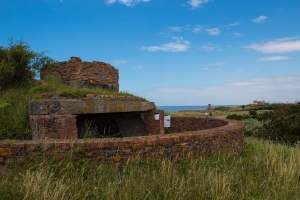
179	108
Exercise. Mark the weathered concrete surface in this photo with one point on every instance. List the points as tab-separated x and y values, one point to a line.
87	106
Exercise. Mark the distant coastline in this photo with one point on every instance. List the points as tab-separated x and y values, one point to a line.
179	108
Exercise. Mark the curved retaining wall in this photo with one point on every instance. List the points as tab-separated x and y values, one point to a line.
228	138
182	124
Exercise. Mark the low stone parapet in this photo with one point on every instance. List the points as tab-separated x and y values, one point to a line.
225	139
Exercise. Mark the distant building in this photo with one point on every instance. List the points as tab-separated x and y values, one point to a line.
258	102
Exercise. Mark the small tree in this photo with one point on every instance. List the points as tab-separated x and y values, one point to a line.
19	64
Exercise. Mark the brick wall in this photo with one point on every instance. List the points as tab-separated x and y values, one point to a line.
85	74
153	126
228	138
53	127
181	124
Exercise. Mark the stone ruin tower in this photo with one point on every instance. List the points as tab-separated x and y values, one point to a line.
85	74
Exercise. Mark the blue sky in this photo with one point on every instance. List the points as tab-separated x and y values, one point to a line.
172	52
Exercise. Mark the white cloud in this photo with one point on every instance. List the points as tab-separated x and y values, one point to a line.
179	45
119	62
197	28
210	47
126	2
259	19
110	1
213	31
232	24
139	67
279	89
180	28
283	45
197	3
237	34
273	58
176	28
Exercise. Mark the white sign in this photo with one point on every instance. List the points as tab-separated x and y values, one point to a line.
156	116
167	121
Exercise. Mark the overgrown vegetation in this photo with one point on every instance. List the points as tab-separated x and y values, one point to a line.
20	65
263	171
282	124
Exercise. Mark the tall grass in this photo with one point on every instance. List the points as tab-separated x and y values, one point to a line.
263	171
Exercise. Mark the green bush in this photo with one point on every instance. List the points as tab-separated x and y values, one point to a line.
223	108
253	112
284	124
237	117
254	127
20	65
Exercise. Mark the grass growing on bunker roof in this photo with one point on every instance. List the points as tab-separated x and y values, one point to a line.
52	86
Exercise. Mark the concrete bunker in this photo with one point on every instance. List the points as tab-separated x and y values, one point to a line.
94	117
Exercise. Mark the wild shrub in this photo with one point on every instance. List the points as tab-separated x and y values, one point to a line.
284	124
252	112
19	64
237	117
254	127
222	108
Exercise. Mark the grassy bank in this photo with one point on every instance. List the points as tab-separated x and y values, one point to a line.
263	171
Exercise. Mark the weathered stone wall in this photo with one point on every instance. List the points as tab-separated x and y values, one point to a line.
85	74
181	124
228	138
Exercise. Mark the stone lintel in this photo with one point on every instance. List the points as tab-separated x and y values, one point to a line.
87	106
